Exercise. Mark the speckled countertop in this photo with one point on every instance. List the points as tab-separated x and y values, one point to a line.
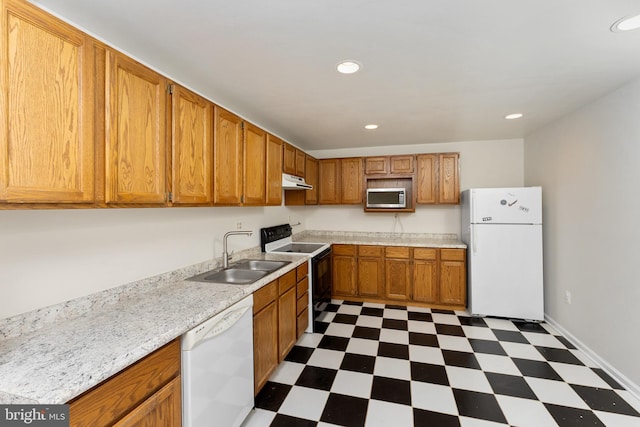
54	354
386	239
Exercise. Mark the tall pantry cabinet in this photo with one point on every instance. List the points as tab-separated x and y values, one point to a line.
47	82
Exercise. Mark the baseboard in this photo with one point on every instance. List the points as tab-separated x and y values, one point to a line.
632	387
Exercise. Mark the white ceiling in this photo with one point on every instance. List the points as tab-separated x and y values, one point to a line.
433	70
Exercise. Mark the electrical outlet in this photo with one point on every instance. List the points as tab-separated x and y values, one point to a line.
567	297
238	226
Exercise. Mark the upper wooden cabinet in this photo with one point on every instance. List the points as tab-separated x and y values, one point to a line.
340	181
255	165
311	177
289	159
227	158
385	165
46	108
136	99
274	170
438	179
300	163
192	148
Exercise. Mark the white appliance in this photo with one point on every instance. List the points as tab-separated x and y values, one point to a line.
292	182
217	368
502	228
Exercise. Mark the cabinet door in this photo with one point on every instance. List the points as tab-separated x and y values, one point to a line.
425	275
265	344
287	322
371	277
255	165
289	159
427	189
300	163
453	284
329	181
46	108
163	408
351	180
344	270
401	164
311	177
448	179
376	165
136	132
398	279
274	171
227	158
192	148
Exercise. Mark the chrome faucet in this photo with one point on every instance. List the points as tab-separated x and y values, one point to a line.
225	255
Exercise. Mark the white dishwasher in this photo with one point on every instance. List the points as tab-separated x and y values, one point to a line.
217	368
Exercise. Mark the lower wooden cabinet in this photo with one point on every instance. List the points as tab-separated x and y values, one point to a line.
146	393
433	277
302	293
287	314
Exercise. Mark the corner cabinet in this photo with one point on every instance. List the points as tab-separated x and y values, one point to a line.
192	148
227	156
47	150
136	99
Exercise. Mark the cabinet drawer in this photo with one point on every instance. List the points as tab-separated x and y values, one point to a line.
349	250
124	391
303	286
302	271
425	253
302	322
286	282
370	251
302	303
264	296
397	252
452	254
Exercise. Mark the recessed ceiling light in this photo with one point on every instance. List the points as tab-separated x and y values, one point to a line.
513	116
627	23
371	126
348	67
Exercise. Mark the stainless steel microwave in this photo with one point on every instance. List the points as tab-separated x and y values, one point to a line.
387	198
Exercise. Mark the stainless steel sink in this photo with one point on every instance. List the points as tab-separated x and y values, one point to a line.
243	272
260	264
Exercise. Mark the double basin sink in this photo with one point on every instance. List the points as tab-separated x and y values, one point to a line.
243	272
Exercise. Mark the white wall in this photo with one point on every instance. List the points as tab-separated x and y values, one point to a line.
587	164
497	163
47	257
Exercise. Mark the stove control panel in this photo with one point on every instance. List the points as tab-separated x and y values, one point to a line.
273	234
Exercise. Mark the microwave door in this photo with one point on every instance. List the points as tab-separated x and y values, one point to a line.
389	198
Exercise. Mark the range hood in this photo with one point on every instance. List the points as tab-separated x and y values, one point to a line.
292	182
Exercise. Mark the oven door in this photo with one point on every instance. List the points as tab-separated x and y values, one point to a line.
321	278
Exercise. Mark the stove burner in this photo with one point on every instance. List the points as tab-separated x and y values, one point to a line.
303	248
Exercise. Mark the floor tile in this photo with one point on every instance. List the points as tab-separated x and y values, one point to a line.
385	414
498	364
605	400
525	412
305	403
309	340
373	304
478	332
272	395
391	390
421	327
430	418
617	420
449	342
326	316
502	324
397	351
468	379
565	342
334	343
531	327
581	375
394	336
606	378
340	330
316	378
430	340
426	354
544	340
299	354
429	373
326	358
537	369
558	355
349	319
392	368
395	307
344	410
510	385
366	333
282	420
370	311
461	359
350	309
478	405
475	422
418	309
472	321
433	397
395	314
362	346
395	324
358	363
369	321
287	372
352	384
486	346
445	329
259	418
445	318
358	303
556	392
510	336
566	416
522	351
422	317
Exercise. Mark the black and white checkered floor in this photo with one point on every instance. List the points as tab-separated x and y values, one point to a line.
378	365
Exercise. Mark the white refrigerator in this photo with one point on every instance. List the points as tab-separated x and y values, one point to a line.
502	228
